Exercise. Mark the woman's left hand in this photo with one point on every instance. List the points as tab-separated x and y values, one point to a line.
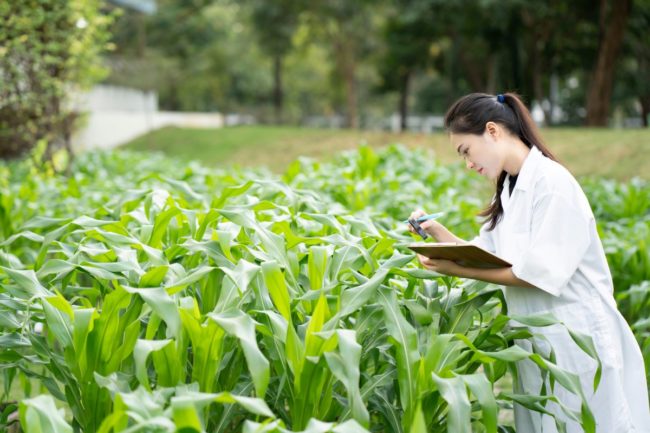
445	267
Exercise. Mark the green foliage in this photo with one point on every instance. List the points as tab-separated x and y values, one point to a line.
623	215
218	56
48	50
198	56
357	59
150	296
276	39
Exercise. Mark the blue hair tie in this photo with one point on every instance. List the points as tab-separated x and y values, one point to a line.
501	98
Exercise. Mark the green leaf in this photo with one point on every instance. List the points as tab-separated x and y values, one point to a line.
277	288
27	280
314	344
253	405
160	226
206	346
419	424
154	276
58	315
317	264
163	305
87	222
345	366
39	414
83	324
29	235
536	320
482	389
240	325
192	277
454	393
140	354
242	274
230	191
55	266
586	343
352	299
404	338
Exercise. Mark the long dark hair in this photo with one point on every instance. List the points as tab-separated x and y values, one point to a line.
472	112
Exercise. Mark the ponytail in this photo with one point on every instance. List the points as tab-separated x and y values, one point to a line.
472	112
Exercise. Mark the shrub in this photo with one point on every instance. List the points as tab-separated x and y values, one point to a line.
48	49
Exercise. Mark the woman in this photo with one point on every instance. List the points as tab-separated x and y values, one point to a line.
540	221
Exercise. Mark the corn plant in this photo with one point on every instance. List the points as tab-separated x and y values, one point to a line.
219	302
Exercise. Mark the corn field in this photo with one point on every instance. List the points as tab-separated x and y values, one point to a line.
138	294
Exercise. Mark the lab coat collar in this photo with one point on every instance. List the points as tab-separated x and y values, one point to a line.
528	169
526	176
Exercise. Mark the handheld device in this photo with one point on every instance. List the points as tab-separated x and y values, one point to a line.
417	228
431	216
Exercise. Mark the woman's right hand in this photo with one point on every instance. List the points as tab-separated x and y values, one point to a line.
429	226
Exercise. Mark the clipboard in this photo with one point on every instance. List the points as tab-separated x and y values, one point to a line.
468	255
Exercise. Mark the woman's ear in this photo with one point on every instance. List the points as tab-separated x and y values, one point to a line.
493	130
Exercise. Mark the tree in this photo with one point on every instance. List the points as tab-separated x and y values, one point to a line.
542	22
48	50
274	24
638	41
553	49
348	27
408	35
612	23
200	56
482	50
179	37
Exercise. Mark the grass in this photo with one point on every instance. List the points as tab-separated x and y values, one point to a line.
615	153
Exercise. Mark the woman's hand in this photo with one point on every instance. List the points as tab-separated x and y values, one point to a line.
445	267
430	226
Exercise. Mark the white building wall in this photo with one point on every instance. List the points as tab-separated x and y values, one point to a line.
117	115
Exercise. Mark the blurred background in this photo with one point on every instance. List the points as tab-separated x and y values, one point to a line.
313	77
107	105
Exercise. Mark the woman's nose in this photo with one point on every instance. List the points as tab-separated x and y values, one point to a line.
469	164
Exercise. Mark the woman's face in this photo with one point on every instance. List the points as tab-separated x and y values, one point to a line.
480	153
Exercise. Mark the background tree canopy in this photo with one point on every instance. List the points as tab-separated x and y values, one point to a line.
287	60
347	63
48	49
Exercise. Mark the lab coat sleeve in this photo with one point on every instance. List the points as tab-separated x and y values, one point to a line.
485	239
559	238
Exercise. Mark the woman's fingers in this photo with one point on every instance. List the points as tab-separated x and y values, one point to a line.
429	226
415	215
425	261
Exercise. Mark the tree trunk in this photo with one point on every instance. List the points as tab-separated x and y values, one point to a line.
142	34
643	55
491	69
645	109
347	68
539	94
278	91
539	30
351	90
404	100
600	87
474	73
69	127
553	92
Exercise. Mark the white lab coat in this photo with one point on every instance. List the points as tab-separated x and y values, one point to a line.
548	233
